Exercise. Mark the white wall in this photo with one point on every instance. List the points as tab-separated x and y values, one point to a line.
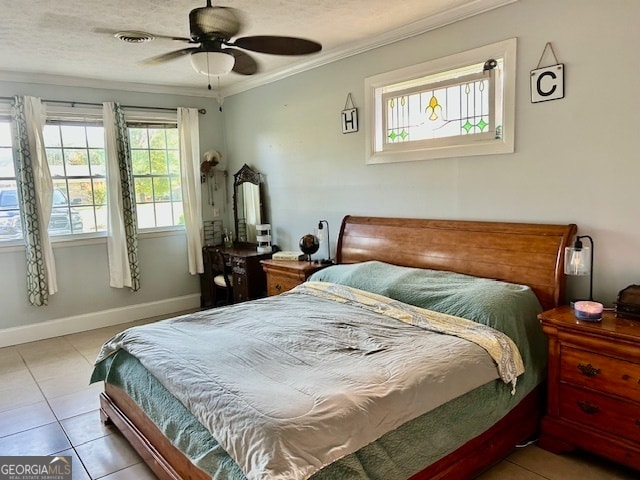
576	159
84	299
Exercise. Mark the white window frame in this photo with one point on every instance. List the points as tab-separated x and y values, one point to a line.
378	151
152	178
86	117
5	118
136	116
93	115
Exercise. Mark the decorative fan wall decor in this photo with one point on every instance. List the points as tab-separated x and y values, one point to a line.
211	162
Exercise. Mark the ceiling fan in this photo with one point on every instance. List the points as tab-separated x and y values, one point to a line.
214	53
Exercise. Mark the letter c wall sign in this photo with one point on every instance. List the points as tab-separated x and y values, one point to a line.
547	83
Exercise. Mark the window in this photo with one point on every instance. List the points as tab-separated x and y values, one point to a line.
9	212
76	157
155	156
75	153
460	105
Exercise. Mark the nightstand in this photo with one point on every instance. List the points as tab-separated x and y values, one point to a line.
283	275
593	386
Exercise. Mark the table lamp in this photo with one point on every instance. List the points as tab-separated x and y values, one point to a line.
578	260
320	234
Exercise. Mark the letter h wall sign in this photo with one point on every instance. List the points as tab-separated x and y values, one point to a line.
349	116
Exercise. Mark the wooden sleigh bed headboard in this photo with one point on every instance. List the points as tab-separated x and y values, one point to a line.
522	253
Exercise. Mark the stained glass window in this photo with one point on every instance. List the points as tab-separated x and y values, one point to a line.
448	108
460	105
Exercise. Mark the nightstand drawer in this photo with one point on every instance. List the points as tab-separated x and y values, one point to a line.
616	417
283	275
276	284
600	372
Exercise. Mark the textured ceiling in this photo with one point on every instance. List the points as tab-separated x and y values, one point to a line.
54	41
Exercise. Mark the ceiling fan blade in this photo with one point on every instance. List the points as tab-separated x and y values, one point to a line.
169	37
245	64
113	33
277	45
209	22
165	57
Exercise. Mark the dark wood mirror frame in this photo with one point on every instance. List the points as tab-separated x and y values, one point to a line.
246	174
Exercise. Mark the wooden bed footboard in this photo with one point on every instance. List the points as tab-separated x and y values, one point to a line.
475	456
162	457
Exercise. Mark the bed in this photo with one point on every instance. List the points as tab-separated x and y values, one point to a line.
387	260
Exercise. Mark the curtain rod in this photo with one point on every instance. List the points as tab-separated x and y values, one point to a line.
201	111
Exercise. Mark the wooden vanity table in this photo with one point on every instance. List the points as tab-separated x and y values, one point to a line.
249	280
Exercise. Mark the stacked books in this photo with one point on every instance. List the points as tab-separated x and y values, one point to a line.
293	256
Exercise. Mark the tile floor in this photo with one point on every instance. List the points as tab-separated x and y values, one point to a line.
47	407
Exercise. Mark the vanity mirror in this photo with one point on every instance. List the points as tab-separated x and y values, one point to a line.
247	204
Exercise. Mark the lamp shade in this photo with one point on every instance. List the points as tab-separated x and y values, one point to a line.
577	261
320	235
212	63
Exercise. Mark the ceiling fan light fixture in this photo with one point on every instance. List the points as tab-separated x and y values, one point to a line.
212	63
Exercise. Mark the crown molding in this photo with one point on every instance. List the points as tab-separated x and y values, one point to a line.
411	30
67	81
418	27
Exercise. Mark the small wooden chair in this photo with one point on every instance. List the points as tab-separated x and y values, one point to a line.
222	280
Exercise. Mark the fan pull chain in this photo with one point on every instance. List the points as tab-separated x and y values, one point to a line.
208	73
219	95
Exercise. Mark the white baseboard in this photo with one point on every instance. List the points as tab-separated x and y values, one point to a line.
92	320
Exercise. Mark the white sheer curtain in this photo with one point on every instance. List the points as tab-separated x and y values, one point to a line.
189	135
122	245
36	196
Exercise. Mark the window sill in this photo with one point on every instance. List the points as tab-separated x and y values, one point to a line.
486	147
161	232
66	241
